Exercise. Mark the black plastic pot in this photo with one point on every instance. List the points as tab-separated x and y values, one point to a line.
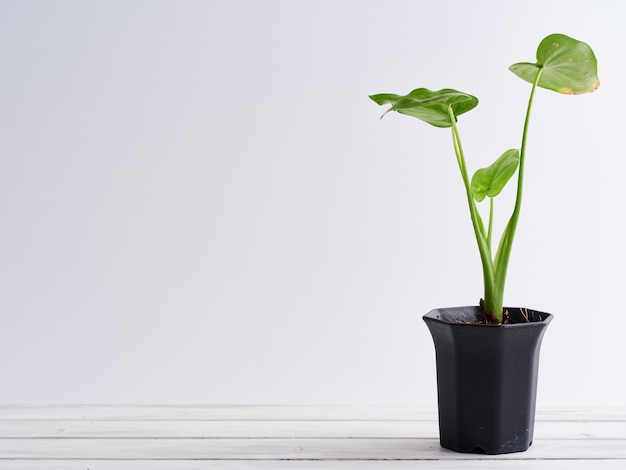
486	378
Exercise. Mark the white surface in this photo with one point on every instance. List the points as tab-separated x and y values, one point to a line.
105	437
198	202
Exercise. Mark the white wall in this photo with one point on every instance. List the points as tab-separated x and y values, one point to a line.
199	204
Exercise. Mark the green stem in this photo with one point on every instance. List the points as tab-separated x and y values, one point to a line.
504	250
490	229
477	224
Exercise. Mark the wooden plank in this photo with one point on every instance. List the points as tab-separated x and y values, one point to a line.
279	429
312	465
216	412
293	449
582	414
218	429
272	413
286	437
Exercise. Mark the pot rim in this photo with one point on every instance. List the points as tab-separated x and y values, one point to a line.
436	315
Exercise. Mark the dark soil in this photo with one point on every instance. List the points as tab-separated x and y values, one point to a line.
521	315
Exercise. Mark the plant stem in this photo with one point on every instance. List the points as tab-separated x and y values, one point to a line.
490	229
504	250
477	224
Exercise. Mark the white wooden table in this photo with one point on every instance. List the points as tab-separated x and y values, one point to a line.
286	437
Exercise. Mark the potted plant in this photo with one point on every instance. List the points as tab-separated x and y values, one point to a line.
487	355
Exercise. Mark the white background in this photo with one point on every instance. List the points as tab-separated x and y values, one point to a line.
199	203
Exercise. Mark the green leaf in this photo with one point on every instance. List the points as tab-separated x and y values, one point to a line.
429	106
567	66
490	181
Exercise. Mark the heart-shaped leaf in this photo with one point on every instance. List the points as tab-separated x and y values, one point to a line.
429	106
567	66
490	181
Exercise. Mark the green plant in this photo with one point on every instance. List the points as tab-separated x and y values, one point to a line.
564	65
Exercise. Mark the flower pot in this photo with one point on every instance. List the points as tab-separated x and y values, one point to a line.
486	378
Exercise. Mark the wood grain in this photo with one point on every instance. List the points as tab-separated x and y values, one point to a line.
102	437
